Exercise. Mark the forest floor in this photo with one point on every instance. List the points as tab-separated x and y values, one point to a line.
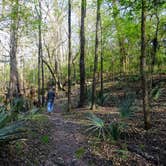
60	139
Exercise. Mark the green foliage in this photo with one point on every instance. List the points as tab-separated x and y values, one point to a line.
80	153
156	92
103	99
96	125
3	118
39	117
99	98
19	104
31	76
142	147
104	131
122	153
13	131
34	111
125	106
134	78
45	139
12	128
89	94
115	130
19	147
33	115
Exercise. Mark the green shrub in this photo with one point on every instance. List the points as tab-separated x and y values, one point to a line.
45	139
80	152
103	99
115	129
125	106
96	125
20	104
89	94
156	92
12	128
12	131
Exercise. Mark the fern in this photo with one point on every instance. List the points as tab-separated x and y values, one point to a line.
125	106
3	119
12	132
115	129
156	93
96	125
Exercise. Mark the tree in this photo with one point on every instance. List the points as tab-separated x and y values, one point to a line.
101	63
14	89
143	67
40	57
96	55
82	54
41	51
69	55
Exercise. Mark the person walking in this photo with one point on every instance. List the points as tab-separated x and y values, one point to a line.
50	100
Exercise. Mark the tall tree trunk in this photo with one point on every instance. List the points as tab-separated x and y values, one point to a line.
40	60
93	104
69	56
41	53
143	68
14	89
39	73
101	63
122	51
82	54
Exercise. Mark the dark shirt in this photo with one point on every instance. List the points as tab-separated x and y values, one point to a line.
50	96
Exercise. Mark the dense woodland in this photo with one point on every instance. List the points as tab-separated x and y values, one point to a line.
106	60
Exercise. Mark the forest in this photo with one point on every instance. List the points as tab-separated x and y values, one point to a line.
82	82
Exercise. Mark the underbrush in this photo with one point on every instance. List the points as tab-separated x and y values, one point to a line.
16	124
112	130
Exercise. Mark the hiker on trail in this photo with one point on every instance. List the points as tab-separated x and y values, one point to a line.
50	100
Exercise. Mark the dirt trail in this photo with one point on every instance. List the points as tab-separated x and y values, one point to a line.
66	140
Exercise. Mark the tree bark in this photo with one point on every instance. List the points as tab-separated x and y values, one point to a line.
69	56
145	99
101	64
39	64
40	60
14	89
93	104
41	52
120	37
82	54
53	75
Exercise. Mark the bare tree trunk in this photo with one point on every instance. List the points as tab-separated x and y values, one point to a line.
41	52
40	60
14	89
145	99
82	54
54	75
121	39
101	63
69	56
96	56
42	67
39	72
